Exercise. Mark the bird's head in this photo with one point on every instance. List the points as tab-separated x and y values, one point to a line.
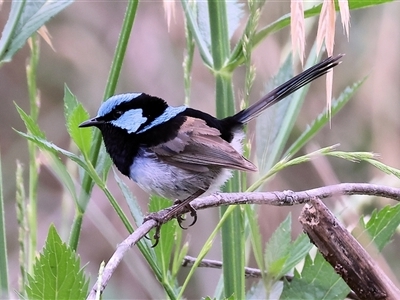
133	113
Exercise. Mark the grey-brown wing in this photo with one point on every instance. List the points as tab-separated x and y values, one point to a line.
198	147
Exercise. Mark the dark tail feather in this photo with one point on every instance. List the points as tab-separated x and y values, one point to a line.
286	89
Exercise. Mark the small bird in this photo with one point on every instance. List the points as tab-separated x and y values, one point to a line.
179	152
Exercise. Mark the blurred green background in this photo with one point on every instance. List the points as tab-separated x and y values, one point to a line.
84	37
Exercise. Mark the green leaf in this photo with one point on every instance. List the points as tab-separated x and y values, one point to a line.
70	103
57	165
317	280
324	118
30	124
297	251
81	136
75	114
167	235
234	12
49	146
133	204
57	273
277	250
382	225
25	18
281	254
191	19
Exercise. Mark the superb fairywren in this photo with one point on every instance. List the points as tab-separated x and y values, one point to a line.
180	152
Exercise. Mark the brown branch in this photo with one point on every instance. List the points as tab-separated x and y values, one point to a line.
188	261
345	254
285	198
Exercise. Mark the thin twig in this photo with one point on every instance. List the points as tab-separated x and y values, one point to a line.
285	198
189	261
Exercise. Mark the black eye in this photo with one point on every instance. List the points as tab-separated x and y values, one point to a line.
117	113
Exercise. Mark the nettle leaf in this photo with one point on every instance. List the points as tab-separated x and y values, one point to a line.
282	255
277	250
57	273
25	18
81	136
70	103
382	225
317	280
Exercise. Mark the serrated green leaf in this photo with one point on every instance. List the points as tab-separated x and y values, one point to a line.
70	103
277	248
81	136
281	254
318	280
57	273
383	224
25	18
298	250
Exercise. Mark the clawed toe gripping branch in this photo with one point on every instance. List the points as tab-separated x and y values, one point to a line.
285	198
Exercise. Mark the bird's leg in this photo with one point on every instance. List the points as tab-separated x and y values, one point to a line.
186	203
172	211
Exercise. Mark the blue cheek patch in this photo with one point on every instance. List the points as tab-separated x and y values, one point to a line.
169	113
130	120
113	101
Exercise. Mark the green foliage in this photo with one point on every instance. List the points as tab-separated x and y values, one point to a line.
57	273
168	232
281	255
75	114
382	225
317	280
25	18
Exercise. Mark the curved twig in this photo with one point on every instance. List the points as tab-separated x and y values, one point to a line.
285	198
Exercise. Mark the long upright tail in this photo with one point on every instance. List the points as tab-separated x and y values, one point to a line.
286	89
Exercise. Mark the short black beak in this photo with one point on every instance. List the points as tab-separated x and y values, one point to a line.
91	122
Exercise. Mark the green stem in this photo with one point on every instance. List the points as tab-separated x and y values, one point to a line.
31	70
232	230
87	182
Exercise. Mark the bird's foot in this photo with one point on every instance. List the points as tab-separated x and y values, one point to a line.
160	218
175	210
181	218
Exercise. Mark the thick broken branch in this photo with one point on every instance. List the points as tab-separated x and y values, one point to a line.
345	254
